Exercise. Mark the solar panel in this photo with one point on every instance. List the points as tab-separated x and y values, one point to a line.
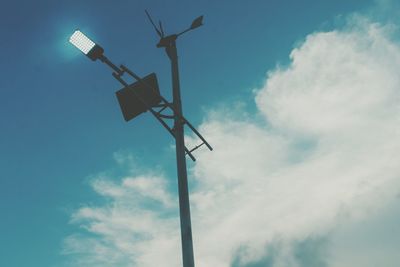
131	98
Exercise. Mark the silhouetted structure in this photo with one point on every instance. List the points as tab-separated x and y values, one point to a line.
144	95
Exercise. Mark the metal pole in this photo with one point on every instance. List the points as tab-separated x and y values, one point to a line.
184	206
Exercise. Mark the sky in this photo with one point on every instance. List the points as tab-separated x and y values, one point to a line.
300	100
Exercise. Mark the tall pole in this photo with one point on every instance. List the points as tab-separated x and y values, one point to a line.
184	206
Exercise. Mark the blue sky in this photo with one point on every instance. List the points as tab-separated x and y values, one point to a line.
61	127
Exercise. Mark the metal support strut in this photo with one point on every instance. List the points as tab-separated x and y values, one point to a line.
164	105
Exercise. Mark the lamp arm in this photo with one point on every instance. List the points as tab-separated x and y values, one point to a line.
105	60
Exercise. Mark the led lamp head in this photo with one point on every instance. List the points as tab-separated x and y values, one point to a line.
85	45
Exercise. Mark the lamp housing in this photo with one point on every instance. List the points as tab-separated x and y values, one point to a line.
86	45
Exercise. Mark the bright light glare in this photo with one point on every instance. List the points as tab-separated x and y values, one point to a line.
81	41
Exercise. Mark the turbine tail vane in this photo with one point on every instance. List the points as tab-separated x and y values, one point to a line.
197	23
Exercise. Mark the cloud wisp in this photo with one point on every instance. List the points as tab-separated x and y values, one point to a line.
326	153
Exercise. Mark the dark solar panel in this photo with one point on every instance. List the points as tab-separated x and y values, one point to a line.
130	98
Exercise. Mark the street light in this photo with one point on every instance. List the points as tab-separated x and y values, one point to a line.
144	95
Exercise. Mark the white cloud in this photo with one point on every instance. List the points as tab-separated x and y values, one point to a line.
128	230
376	237
327	154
